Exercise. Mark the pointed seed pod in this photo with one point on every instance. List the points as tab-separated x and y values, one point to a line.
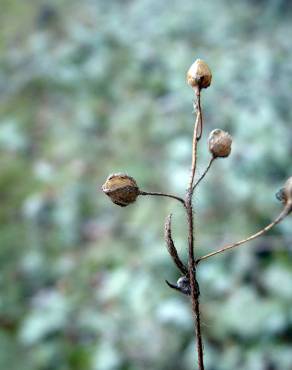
199	75
219	143
122	189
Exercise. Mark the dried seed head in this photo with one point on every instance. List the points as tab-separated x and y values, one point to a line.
199	75
287	192
122	189
219	142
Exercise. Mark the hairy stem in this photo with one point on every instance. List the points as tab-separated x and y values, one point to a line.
281	216
162	195
194	284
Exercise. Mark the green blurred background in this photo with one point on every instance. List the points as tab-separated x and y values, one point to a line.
93	87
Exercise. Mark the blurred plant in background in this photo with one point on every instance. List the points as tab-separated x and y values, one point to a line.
92	87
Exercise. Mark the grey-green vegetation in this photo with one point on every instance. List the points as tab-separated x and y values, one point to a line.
92	87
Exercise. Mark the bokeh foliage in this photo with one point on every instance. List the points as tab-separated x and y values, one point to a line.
93	87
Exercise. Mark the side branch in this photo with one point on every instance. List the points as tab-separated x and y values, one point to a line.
204	173
171	247
162	195
281	216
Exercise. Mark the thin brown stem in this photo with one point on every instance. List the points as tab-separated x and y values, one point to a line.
194	284
162	195
200	347
197	134
199	110
281	216
204	173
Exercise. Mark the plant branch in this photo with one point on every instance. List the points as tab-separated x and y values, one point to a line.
171	247
204	173
281	216
162	195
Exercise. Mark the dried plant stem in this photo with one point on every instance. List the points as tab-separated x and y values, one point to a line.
200	347
191	258
194	284
200	116
123	190
204	173
281	216
162	195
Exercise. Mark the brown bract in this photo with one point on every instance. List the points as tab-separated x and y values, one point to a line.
219	142
122	189
199	75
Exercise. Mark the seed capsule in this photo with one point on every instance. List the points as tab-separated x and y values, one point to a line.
219	143
199	74
122	189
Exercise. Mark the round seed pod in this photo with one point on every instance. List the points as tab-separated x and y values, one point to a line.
219	143
199	75
122	189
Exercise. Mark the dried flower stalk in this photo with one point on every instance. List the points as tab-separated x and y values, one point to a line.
123	190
